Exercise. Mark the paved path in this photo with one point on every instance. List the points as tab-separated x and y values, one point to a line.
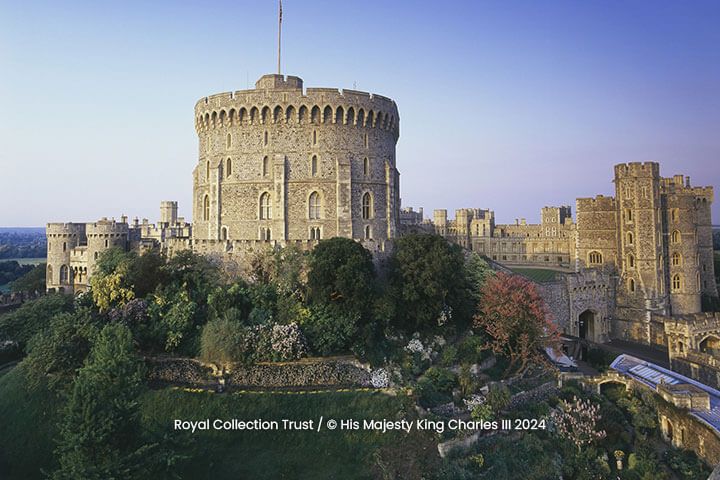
643	352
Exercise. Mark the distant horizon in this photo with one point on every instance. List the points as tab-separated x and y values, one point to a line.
506	106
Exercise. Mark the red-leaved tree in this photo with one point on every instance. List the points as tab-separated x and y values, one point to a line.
516	319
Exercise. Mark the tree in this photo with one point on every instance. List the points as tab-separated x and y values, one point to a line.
576	421
111	290
33	317
428	283
478	271
341	274
58	351
515	318
329	329
100	429
223	341
32	281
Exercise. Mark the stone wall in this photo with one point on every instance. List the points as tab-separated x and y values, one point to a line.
307	373
685	431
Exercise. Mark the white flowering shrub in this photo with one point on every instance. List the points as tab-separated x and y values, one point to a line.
380	378
475	400
287	342
415	346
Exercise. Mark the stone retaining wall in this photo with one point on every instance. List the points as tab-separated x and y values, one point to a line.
302	374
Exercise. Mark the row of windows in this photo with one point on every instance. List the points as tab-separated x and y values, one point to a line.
266	167
676	283
315	233
314	206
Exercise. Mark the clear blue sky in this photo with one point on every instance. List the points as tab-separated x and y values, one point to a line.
507	105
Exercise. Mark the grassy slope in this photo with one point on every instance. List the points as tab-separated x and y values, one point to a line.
275	454
27	428
28	419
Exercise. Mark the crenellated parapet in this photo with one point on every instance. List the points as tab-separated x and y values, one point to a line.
278	100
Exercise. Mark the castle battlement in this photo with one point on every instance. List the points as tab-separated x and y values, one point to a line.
59	229
281	105
600	202
637	169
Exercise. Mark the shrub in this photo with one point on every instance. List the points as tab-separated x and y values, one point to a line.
435	387
330	330
498	397
224	341
32	317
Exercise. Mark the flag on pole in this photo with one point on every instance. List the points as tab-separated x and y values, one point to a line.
280	11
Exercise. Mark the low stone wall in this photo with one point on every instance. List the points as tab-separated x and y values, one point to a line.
308	373
536	395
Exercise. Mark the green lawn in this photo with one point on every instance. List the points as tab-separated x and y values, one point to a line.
540	275
28	419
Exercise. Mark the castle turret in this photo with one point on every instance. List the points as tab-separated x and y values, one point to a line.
62	238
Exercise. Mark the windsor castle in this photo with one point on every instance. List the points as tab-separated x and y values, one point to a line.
282	165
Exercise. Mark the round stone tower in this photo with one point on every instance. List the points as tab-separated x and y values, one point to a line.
285	164
62	238
102	235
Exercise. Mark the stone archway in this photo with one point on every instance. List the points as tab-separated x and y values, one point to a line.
587	325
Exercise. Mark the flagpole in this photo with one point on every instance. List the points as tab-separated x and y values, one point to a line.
279	31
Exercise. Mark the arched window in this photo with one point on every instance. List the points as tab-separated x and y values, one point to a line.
314	137
367	207
206	208
64	246
106	243
49	271
64	274
228	167
365	140
674	215
628	215
630	238
676	283
631	285
595	258
366	166
631	261
313	166
228	142
265	234
265	138
207	171
224	233
676	259
314	206
265	166
676	237
314	233
368	232
265	207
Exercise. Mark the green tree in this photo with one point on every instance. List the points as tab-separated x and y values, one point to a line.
341	274
99	429
32	281
58	351
232	302
32	317
478	271
111	290
223	341
428	282
329	329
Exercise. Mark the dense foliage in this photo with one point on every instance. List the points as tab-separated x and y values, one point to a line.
23	243
12	270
